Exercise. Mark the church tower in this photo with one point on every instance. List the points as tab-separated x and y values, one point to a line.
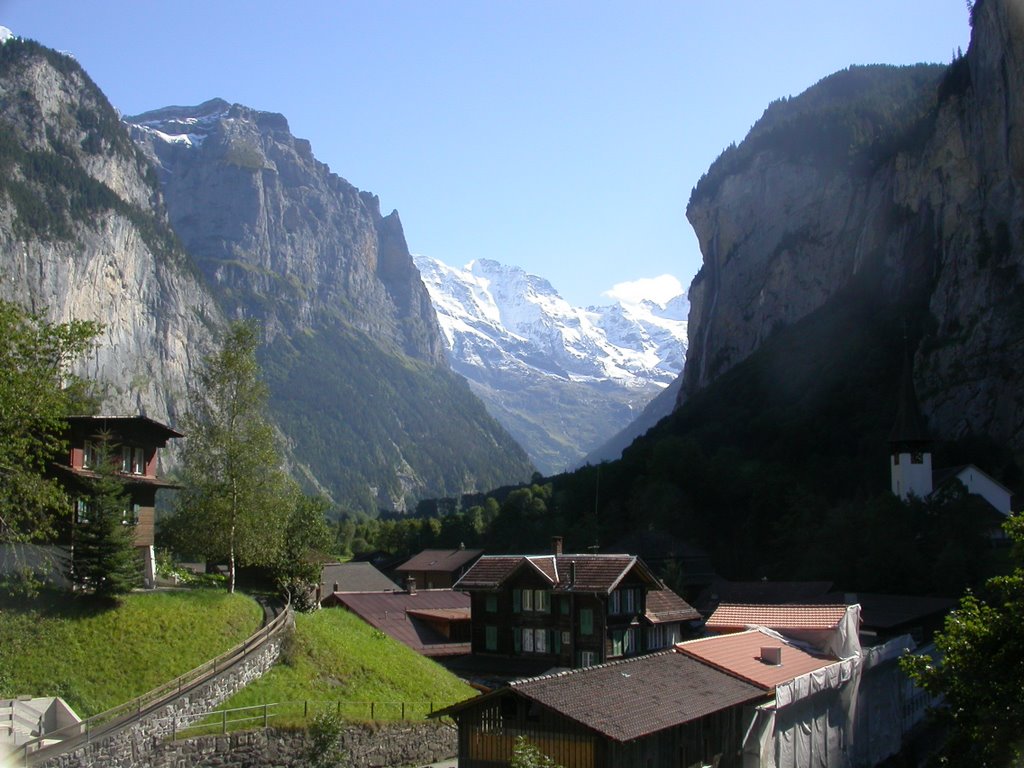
910	447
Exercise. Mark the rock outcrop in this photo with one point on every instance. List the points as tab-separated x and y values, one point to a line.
82	235
910	177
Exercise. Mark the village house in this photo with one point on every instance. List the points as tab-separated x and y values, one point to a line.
132	444
437	568
571	610
747	699
352	577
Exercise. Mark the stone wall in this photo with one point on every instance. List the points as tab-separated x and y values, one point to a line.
362	746
131	746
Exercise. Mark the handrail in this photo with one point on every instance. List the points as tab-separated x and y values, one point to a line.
104	722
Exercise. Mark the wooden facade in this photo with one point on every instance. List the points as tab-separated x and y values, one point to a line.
488	731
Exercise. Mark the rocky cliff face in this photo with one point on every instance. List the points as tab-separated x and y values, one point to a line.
283	238
359	381
909	177
82	236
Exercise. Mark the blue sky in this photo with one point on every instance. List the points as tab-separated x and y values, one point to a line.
560	136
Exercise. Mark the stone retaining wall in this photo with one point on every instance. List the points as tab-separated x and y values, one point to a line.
363	746
131	746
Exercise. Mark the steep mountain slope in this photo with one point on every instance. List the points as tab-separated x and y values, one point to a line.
82	234
912	174
561	379
359	382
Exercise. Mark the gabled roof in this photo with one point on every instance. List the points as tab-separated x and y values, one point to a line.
733	617
440	560
664	605
739	654
397	614
124	425
565	573
663	690
354	577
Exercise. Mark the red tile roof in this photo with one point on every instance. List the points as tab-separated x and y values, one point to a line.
732	617
440	560
663	690
395	613
664	605
740	655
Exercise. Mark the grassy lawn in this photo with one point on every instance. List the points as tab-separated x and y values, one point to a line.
334	656
96	658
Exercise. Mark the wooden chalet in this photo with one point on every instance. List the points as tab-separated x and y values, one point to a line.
437	568
571	610
657	710
132	444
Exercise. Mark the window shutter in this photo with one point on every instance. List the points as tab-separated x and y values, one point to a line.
517	601
517	639
555	641
563	602
586	621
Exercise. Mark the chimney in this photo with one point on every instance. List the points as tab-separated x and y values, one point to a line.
410	585
572	573
772	654
335	586
556	544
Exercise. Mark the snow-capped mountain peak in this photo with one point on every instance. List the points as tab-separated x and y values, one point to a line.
510	332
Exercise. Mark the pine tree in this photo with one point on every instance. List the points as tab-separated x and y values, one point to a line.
103	557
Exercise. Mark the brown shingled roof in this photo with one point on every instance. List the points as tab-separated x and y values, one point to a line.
665	605
396	614
442	560
578	573
663	690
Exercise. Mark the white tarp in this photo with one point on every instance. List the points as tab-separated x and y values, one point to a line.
845	715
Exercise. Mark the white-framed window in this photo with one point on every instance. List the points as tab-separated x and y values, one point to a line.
133	460
528	641
588	658
566	637
527	599
629	601
540	640
656	637
81	511
540	600
614	603
90	455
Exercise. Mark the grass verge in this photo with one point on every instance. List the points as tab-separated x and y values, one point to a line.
97	656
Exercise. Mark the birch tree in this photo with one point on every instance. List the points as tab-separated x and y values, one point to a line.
233	505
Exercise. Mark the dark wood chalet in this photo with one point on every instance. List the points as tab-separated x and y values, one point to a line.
571	610
437	568
133	444
658	710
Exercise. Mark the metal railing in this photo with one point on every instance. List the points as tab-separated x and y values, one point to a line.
262	715
71	737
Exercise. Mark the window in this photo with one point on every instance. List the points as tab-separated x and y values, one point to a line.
617	642
90	456
586	621
540	640
629	600
491	604
130	516
623	642
613	603
528	641
588	658
540	600
133	460
490	638
81	511
656	637
527	599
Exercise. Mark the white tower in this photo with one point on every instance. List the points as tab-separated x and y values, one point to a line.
911	456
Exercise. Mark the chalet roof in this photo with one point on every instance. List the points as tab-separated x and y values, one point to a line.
762	592
397	614
565	573
664	605
354	577
739	654
732	617
124	425
440	560
663	690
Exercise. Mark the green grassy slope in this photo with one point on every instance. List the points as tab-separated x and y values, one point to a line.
96	659
336	656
